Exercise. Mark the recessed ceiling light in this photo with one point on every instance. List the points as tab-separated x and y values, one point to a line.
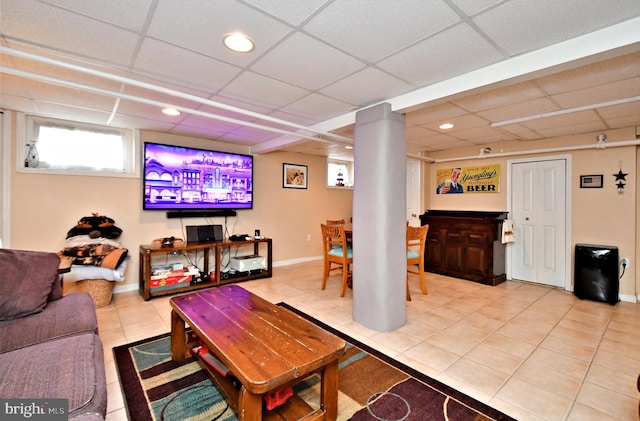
348	147
171	111
238	42
446	126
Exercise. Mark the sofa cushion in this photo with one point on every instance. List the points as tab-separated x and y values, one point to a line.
70	315
26	280
68	368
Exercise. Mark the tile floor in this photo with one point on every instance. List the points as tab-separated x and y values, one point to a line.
533	352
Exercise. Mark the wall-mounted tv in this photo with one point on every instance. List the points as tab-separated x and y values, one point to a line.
179	178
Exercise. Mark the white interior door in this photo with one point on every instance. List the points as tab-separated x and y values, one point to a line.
538	210
413	192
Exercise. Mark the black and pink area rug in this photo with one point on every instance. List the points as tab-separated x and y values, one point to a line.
372	387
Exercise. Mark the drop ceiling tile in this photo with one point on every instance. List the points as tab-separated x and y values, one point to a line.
434	114
107	11
315	105
519	26
284	10
455	144
263	91
306	62
472	7
479	135
518	131
196	121
139	92
463	122
630	109
562	121
603	93
46	93
439	139
367	87
165	62
389	27
248	136
519	110
60	30
434	60
125	121
600	73
208	21
201	132
622	122
586	127
416	132
73	113
500	97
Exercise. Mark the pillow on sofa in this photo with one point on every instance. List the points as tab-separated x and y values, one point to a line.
26	280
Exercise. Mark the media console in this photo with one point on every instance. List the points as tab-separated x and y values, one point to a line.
149	287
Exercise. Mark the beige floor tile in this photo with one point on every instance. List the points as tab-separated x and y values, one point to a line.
539	341
477	375
522	331
611	403
453	341
438	359
560	344
509	345
544	404
619	382
580	412
494	358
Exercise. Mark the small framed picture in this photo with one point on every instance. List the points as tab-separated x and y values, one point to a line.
294	176
591	181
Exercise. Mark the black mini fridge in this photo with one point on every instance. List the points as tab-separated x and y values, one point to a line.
596	273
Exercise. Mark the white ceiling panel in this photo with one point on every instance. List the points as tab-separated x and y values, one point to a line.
66	32
200	26
181	67
430	60
390	27
355	89
307	63
270	92
315	61
123	13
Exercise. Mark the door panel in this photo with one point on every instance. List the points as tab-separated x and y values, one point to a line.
539	213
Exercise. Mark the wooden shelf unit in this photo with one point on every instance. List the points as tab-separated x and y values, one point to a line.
147	252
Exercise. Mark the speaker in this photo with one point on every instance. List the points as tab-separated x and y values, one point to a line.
204	233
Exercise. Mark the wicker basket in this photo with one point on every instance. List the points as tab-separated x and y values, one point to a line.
100	290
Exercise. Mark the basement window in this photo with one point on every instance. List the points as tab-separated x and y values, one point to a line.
66	147
339	173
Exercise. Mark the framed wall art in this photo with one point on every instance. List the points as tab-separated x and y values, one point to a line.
591	181
294	176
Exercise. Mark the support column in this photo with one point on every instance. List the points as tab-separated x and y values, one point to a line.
379	219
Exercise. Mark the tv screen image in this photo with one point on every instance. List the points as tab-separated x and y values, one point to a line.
183	178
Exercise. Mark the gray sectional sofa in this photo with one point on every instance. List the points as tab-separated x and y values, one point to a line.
49	344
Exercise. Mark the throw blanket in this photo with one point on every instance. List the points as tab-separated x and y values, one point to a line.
103	255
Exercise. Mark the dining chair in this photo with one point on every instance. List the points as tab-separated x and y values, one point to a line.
416	244
336	252
336	222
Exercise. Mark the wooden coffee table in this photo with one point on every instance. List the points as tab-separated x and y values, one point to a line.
265	346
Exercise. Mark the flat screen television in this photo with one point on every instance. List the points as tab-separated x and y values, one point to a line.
178	178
